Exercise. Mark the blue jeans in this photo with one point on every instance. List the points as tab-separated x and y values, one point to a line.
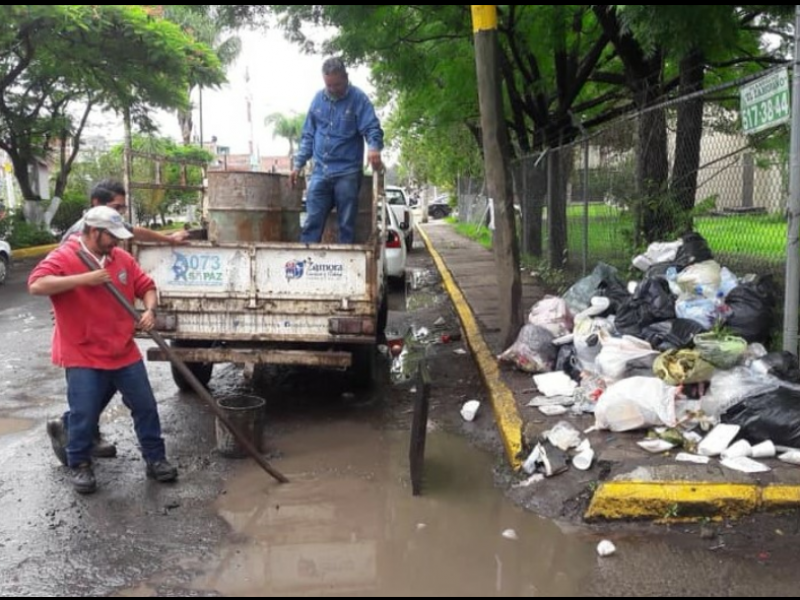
323	195
107	398
88	393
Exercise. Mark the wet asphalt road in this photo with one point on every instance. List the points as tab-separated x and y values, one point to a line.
347	525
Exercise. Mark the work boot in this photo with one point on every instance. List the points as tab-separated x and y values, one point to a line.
102	447
82	478
162	471
58	439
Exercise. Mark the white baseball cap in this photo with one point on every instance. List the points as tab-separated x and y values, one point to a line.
104	217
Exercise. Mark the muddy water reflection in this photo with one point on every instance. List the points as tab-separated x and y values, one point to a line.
347	524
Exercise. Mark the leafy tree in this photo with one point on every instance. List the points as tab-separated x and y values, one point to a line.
209	31
289	128
118	57
150	205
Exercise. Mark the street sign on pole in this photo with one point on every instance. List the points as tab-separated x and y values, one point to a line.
765	102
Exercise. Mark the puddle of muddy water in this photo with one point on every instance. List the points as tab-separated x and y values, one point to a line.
11	426
347	524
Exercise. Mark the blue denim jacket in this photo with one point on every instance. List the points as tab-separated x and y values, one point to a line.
334	133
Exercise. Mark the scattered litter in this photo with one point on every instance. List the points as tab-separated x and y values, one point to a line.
718	440
554	401
656	446
510	534
741	449
413	390
683	457
745	465
584	460
421	334
764	450
564	436
460	352
470	409
553	411
555	384
791	458
531	481
440	322
547	460
421	527
606	549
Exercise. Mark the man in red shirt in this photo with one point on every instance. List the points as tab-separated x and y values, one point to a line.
94	341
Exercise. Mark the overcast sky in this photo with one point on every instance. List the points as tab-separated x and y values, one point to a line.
282	79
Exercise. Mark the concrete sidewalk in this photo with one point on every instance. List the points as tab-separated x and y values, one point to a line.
626	483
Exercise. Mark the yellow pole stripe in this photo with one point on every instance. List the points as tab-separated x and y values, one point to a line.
484	17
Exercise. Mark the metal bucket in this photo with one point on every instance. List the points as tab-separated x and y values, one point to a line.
246	413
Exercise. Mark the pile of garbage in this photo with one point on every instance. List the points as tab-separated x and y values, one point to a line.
681	353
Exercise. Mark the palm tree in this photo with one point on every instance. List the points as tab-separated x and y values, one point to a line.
287	127
206	30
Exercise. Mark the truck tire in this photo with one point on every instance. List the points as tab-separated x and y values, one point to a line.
202	371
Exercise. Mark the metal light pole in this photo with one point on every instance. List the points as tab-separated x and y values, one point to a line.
790	312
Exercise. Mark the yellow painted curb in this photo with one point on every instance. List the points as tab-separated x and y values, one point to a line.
682	500
32	252
508	419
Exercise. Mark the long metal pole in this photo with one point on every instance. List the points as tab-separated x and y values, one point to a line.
188	375
790	311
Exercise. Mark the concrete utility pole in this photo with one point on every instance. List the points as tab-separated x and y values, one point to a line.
790	312
496	150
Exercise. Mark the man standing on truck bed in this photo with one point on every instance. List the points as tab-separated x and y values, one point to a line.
341	117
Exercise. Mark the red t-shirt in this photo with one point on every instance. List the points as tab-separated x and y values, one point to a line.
92	329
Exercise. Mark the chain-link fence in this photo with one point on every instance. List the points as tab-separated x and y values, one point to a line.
652	177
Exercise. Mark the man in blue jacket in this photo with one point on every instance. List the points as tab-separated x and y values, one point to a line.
340	119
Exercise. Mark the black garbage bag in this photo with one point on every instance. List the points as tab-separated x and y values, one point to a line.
567	362
752	310
615	290
672	335
782	365
652	303
774	416
695	250
661	269
579	296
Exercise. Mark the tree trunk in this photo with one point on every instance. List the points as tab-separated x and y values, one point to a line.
496	152
689	138
187	124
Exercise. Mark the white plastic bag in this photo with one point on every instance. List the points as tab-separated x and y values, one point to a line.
552	314
533	352
706	275
618	354
660	252
636	403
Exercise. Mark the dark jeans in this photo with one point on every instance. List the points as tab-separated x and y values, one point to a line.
88	393
325	193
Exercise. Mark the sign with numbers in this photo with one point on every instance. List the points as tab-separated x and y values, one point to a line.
765	102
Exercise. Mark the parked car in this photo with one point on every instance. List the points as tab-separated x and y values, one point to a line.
5	260
399	201
396	250
440	207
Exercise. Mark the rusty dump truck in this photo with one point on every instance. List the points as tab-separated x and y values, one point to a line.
248	292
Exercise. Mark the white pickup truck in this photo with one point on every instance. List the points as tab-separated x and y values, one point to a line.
250	293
